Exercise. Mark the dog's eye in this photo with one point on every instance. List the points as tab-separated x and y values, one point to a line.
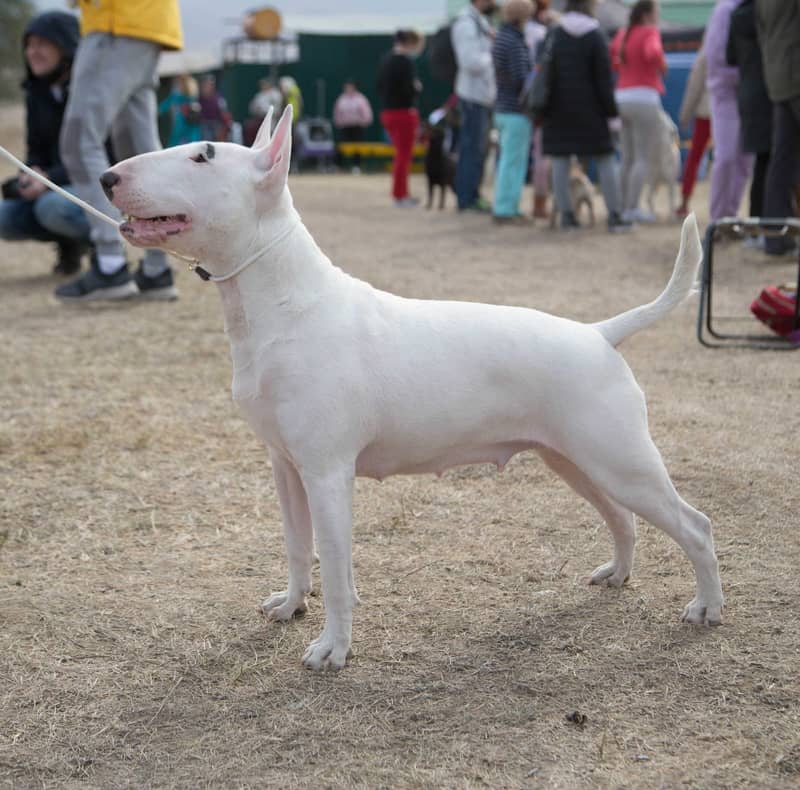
204	157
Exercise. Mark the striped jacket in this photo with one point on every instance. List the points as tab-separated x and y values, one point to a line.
512	63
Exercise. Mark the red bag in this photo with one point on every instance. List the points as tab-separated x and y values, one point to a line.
776	307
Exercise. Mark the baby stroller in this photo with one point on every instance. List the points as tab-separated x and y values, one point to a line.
313	141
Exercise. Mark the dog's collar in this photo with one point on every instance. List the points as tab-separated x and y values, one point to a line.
204	274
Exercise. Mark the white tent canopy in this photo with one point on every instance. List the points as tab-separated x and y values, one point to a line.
362	23
170	64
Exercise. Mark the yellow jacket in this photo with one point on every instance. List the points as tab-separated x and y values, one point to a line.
151	20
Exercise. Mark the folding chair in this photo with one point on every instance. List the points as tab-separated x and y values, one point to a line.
734	228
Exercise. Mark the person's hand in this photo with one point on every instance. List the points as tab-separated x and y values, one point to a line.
29	187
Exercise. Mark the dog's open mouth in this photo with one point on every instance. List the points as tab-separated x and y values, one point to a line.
154	230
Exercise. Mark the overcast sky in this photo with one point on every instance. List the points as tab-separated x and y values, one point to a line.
207	22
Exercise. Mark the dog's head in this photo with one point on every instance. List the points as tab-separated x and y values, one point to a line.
202	199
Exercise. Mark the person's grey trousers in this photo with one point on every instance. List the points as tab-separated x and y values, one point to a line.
112	93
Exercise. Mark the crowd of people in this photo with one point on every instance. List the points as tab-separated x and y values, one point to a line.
91	98
605	104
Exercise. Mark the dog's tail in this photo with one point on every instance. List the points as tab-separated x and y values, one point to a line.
683	282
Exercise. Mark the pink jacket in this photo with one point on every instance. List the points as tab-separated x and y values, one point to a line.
352	110
644	58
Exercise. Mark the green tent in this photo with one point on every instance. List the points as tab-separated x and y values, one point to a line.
325	62
692	13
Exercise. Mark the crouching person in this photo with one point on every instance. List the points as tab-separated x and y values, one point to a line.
30	211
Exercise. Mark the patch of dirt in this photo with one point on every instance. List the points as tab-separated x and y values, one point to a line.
139	531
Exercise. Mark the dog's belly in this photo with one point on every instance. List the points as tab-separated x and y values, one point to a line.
383	460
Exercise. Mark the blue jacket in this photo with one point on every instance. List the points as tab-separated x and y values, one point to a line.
512	64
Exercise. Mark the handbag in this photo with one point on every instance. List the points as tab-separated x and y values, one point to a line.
538	88
776	306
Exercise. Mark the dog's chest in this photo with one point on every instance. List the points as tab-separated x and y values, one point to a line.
253	384
236	325
262	419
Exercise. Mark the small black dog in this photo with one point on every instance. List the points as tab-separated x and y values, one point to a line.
440	164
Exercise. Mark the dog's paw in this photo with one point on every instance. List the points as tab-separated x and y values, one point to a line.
699	613
282	608
610	574
325	654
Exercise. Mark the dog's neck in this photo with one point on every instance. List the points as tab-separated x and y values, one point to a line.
287	279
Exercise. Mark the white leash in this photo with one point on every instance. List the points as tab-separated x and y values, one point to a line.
56	188
194	264
220	278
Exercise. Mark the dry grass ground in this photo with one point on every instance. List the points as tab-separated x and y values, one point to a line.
139	530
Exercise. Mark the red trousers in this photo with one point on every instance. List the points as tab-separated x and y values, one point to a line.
700	136
401	126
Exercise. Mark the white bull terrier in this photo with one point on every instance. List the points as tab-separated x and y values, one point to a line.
339	379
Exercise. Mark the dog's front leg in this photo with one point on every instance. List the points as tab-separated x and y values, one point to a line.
330	500
299	542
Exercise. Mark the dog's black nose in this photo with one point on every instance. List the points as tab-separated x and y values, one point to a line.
108	180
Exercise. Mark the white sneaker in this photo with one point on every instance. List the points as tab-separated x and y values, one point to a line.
640	215
755	242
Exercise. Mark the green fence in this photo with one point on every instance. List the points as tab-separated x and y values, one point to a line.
326	61
687	12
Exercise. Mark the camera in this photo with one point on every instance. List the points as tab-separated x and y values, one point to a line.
10	188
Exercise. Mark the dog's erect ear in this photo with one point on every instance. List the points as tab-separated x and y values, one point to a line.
262	138
273	160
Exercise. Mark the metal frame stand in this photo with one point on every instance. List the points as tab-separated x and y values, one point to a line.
734	228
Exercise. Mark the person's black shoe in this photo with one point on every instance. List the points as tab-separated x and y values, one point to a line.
569	221
616	224
95	286
158	289
70	253
777	246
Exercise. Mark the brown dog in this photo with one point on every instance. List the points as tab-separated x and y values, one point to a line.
581	191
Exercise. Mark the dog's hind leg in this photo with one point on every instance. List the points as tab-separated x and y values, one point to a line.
651	198
590	211
429	204
442	194
671	196
330	500
621	522
619	457
299	542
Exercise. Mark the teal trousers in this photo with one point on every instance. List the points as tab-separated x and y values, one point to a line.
515	144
